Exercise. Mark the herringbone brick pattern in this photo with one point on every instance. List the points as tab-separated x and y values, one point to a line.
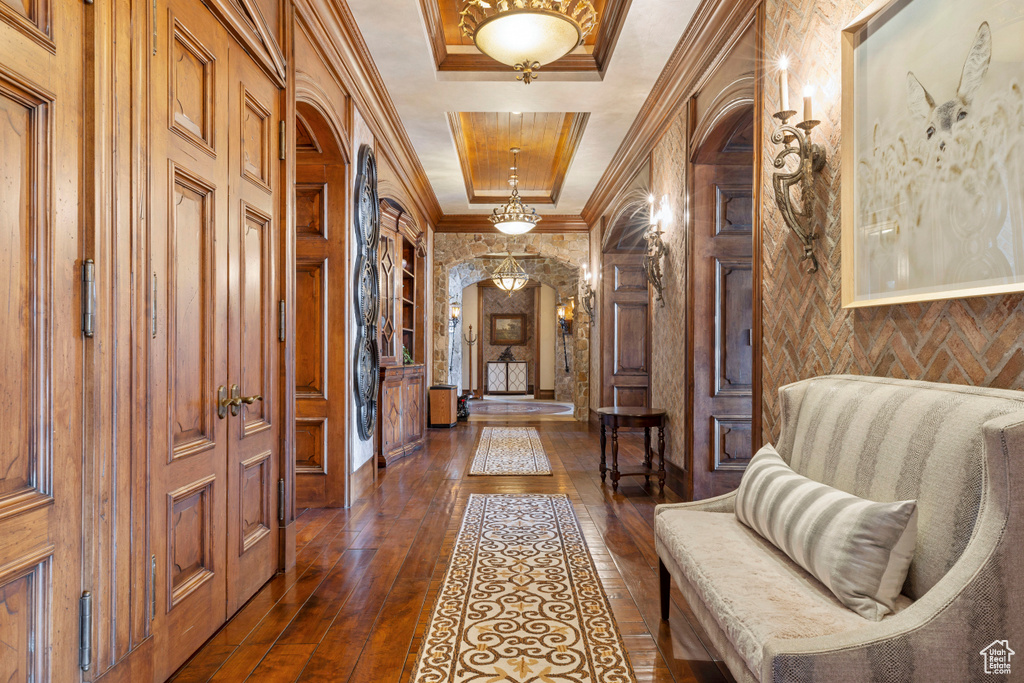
806	331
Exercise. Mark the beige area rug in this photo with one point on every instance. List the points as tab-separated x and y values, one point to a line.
521	601
510	450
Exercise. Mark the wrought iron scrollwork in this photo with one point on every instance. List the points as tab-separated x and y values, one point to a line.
367	293
811	159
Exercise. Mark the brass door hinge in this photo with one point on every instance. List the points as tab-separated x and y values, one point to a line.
85	631
152	606
152	322
89	298
282	143
280	500
280	321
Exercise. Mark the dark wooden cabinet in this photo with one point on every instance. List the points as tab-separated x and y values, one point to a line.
400	425
402	420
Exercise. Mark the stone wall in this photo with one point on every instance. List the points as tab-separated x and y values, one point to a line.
460	260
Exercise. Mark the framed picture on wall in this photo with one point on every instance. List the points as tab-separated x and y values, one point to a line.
508	329
933	151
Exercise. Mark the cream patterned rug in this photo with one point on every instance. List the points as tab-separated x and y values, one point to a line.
510	450
521	601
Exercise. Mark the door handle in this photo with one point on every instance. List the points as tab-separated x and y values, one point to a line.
224	404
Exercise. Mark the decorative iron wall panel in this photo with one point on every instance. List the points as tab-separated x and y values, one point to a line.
367	228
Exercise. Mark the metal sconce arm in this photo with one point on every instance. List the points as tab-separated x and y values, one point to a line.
656	250
811	159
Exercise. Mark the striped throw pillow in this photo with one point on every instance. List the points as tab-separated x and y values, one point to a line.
858	548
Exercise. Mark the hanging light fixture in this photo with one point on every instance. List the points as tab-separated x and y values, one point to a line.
526	35
510	276
515	218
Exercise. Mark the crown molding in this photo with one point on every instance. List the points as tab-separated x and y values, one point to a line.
332	27
709	32
479	223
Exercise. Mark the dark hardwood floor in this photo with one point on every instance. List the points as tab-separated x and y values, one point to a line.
356	604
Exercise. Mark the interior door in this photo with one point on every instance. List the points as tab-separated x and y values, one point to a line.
42	348
722	323
252	537
213	240
320	296
189	238
625	331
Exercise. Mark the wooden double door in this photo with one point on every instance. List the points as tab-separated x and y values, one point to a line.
214	386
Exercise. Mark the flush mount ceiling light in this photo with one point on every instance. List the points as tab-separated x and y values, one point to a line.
515	218
510	276
527	33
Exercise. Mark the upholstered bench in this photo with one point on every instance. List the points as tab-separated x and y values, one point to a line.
958	451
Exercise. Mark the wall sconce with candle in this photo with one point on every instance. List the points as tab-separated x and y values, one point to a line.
656	247
796	141
454	313
587	296
565	324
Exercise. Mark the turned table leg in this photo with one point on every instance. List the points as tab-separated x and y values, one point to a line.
661	458
603	441
615	457
647	453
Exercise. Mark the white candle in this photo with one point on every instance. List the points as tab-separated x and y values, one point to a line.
808	96
784	83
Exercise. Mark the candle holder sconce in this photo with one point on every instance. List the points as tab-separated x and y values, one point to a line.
811	159
587	298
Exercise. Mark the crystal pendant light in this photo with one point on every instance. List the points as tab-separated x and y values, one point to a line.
510	276
515	218
526	34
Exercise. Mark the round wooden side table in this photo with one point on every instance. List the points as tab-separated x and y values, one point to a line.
645	418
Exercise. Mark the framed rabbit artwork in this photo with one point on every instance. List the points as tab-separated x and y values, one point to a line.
933	151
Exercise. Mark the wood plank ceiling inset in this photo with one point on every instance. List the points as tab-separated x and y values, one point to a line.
453	51
548	141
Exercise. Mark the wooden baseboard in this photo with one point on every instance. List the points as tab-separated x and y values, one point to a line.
362	480
286	547
545	395
675	479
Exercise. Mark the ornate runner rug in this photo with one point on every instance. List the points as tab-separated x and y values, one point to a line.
510	450
521	601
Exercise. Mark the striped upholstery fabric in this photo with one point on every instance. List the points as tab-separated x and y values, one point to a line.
889	440
859	549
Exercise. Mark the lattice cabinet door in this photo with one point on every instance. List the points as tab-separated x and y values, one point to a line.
497	377
517	378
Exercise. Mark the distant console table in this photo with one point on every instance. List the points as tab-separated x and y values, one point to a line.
644	418
507	378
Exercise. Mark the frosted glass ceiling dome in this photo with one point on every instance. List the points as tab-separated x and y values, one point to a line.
527	37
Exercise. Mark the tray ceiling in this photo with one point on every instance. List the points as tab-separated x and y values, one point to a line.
465	157
548	142
453	51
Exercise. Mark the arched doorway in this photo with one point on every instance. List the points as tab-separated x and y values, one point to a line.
722	301
321	380
626	301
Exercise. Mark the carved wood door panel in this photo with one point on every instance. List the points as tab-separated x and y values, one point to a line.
321	393
722	322
253	211
189	238
214	236
625	331
41	127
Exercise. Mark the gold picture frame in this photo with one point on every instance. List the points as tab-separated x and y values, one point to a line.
908	266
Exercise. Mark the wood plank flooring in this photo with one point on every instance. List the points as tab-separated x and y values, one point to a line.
356	605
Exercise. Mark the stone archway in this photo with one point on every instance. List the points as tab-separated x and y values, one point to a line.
461	260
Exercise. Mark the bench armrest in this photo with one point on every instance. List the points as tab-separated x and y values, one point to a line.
723	503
